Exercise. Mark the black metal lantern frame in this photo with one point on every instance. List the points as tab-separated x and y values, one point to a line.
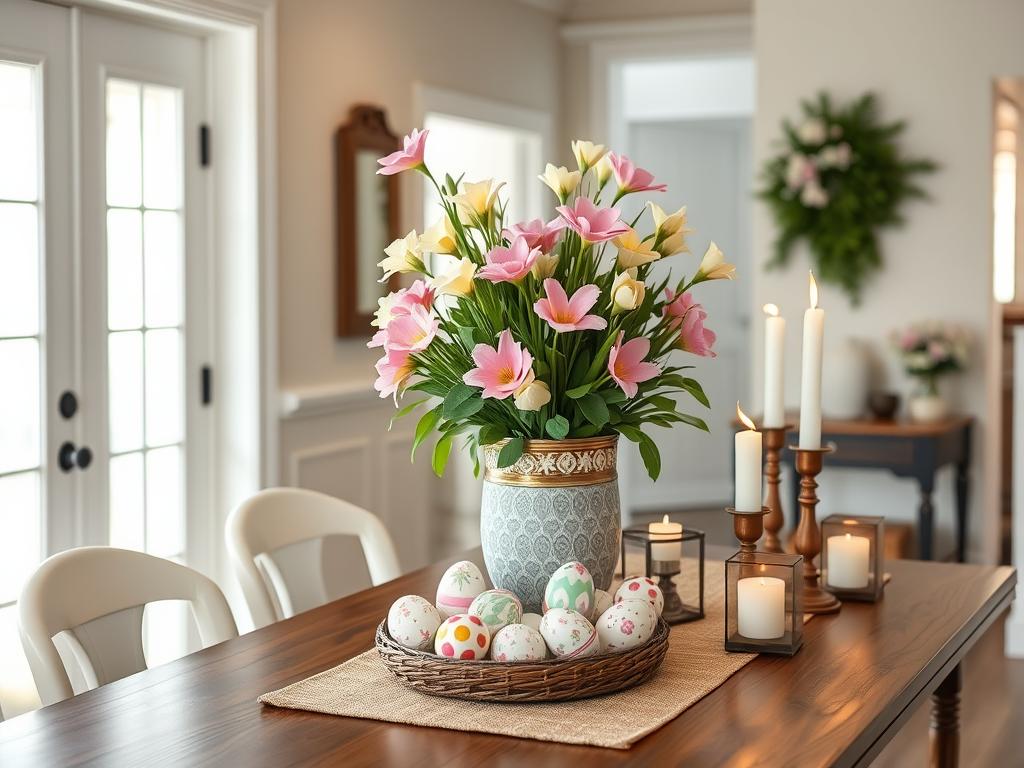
676	611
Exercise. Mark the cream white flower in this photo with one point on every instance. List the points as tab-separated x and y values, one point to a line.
798	170
633	252
604	170
476	199
587	154
457	279
813	195
670	230
439	237
562	181
812	131
403	255
545	265
714	266
532	395
385	309
627	292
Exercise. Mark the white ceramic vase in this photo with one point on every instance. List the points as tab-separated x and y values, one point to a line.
927	408
845	380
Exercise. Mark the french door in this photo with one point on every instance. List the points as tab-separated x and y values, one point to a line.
105	325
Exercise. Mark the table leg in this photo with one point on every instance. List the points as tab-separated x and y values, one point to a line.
944	727
962	489
926	518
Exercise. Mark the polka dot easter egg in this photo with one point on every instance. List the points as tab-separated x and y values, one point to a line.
498	608
602	602
518	642
462	637
568	634
460	584
412	622
627	624
643	588
572	587
531	620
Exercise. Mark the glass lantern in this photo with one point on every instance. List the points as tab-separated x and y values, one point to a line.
851	556
663	553
763	603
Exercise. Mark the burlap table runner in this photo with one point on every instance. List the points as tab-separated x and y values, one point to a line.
696	664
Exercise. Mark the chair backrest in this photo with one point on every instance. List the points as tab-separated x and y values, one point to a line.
97	595
280	517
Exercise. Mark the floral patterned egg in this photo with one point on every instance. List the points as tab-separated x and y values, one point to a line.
644	588
518	642
627	624
460	584
531	620
412	622
568	634
498	608
572	587
602	602
462	637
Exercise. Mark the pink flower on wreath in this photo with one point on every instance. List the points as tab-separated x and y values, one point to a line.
565	314
592	224
509	265
626	627
409	156
537	233
393	370
626	363
411	331
500	372
689	317
630	178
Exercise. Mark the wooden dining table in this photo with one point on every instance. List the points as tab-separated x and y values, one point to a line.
860	675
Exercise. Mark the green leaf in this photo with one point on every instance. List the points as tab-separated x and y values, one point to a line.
579	367
651	456
424	427
577	392
541	369
466	334
693	421
613	396
466	408
456	396
406	411
510	452
630	432
587	430
694	388
665	403
492	433
557	427
431	387
442	451
594	409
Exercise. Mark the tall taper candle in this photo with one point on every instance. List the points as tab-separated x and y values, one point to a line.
748	466
810	373
774	362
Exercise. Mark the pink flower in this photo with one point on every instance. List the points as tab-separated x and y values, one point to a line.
409	156
537	233
565	314
392	371
689	317
626	366
419	293
592	224
630	178
509	265
411	331
500	371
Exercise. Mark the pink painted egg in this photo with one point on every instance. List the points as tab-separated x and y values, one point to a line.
518	642
627	624
461	583
462	637
412	622
643	588
568	634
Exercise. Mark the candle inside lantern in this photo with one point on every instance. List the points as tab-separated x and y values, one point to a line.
672	550
761	607
848	561
774	364
748	466
810	372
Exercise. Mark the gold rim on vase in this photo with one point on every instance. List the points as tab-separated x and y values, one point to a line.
552	463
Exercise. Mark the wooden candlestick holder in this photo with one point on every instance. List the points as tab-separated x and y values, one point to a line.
807	540
748	527
774	439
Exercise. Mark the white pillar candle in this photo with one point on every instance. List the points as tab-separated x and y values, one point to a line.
673	550
774	364
748	466
810	373
848	561
761	607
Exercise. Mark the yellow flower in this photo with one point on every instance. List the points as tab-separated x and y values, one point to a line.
532	395
561	180
604	170
476	199
627	292
633	252
714	266
403	255
456	280
439	238
545	265
587	154
670	230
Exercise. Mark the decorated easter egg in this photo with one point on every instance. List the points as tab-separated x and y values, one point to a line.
498	608
518	642
572	587
412	622
627	624
602	602
460	584
644	588
531	620
568	634
462	637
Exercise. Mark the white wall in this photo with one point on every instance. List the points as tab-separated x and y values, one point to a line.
931	62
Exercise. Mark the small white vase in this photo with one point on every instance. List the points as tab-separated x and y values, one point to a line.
845	380
925	409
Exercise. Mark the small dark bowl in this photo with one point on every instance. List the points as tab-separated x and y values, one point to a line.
884	405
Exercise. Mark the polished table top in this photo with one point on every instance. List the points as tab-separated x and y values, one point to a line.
858	677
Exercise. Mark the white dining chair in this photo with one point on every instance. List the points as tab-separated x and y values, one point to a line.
94	598
278	518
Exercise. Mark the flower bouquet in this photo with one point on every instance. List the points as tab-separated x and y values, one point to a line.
929	351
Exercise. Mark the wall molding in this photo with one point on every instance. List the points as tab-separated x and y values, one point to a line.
360	445
709	31
317	400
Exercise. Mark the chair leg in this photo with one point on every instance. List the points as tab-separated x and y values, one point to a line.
944	727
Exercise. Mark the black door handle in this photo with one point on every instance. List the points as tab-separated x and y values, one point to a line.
68	457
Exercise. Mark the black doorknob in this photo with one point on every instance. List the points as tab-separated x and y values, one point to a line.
68	457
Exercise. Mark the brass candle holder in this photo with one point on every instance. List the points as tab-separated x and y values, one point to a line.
807	540
748	527
774	440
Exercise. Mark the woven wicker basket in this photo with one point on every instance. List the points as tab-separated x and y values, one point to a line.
548	680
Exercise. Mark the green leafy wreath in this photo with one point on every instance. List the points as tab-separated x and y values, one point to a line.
838	179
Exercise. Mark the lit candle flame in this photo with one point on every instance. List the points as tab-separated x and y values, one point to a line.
664	519
771	310
743	417
812	290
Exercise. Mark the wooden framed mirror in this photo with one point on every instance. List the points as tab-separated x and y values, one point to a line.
367	217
